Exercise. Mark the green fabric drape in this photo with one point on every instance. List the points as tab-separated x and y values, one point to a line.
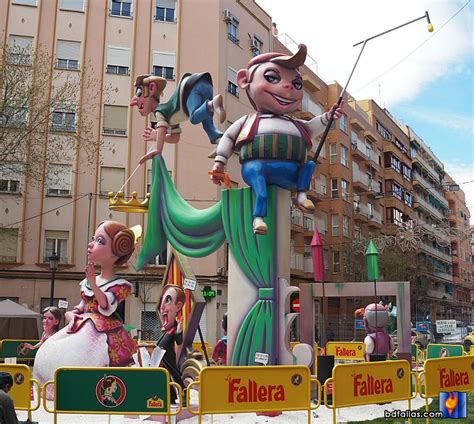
192	232
255	256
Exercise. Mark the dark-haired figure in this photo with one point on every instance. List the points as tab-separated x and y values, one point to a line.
219	353
7	408
110	387
171	332
51	318
94	335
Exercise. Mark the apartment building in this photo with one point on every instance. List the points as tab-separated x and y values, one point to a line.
114	41
461	251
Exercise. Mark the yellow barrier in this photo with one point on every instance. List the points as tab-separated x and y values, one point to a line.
224	390
111	391
446	375
21	390
353	351
198	346
367	383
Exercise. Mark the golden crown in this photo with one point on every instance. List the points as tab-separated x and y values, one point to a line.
119	204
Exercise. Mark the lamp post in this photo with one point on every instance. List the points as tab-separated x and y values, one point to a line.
53	266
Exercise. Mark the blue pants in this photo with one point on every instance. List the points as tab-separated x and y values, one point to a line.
198	112
258	173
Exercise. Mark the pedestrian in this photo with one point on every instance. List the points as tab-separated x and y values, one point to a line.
7	408
219	354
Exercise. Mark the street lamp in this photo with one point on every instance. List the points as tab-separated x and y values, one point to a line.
53	266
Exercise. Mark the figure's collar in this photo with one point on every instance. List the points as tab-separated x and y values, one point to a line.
86	284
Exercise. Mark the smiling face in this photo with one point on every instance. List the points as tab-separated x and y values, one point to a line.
274	88
99	250
169	308
49	322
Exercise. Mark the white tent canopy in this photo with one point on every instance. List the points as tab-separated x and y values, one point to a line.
18	322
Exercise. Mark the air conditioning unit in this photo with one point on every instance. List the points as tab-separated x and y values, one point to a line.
221	270
254	44
227	15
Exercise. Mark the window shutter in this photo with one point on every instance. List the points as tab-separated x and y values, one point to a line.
232	75
20	42
8	244
115	117
59	177
56	235
10	171
164	59
169	4
72	4
118	56
111	179
68	49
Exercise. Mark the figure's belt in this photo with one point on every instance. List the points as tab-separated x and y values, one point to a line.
266	293
274	146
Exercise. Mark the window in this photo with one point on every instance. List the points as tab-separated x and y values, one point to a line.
8	244
233	30
391	161
232	82
332	153
408	199
162	258
15	115
345	189
396	190
334	188
56	242
344	156
118	61
25	2
383	131
45	301
149	179
111	179
10	177
342	123
323	183
164	64
72	5
59	180
368	149
400	145
357	233
121	8
115	120
336	262
67	54
255	45
394	216
21	49
63	121
324	219
335	225
345	226
370	209
165	10
406	172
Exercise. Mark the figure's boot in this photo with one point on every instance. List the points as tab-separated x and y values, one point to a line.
303	203
259	227
216	105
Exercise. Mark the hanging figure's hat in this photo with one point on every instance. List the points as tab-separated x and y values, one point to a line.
291	62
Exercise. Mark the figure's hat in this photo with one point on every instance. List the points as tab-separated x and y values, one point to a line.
290	62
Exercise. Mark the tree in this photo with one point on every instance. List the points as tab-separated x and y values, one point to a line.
40	119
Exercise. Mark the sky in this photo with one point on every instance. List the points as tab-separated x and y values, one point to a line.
424	79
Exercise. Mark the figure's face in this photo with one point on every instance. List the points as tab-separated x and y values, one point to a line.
99	250
169	309
276	89
145	105
49	322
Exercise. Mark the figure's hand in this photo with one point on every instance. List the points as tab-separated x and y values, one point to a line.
179	328
149	155
69	317
149	134
90	274
26	346
337	110
219	168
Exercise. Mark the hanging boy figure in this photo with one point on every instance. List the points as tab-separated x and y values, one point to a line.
271	144
192	100
171	332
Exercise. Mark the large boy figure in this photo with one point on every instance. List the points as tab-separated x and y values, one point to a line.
192	100
272	145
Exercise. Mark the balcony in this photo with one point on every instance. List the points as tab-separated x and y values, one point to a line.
359	149
435	252
296	219
297	261
360	180
418	157
420	202
361	213
356	124
444	276
375	220
321	226
439	294
308	262
308	224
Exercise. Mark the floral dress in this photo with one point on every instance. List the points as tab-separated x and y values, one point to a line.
120	345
